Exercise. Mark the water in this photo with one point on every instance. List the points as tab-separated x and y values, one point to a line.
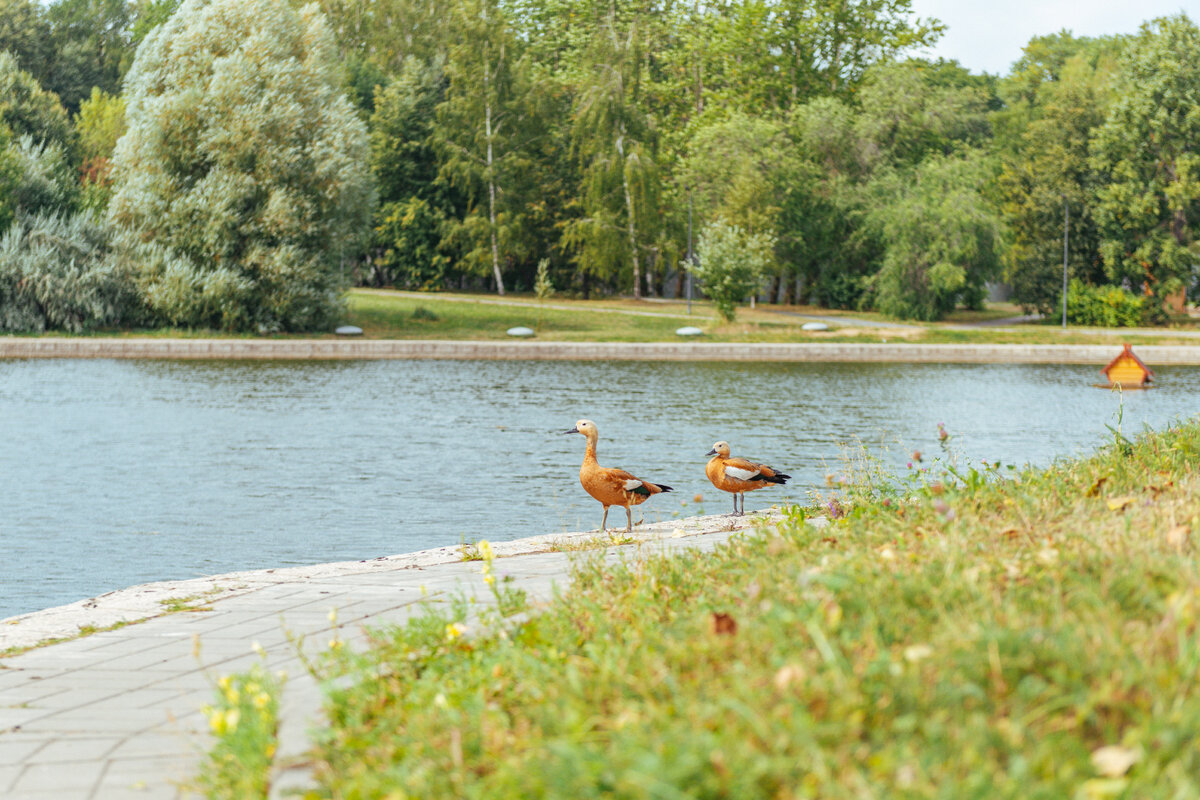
114	473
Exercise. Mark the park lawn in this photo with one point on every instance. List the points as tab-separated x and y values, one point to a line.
387	314
986	632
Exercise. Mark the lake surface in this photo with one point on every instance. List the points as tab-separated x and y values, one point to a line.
114	473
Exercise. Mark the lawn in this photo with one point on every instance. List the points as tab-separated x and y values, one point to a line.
406	315
962	632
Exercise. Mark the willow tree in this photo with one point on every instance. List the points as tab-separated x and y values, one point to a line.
245	163
614	141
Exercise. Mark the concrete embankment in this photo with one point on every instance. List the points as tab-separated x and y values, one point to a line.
333	349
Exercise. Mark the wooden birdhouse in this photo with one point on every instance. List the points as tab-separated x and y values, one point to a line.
1128	371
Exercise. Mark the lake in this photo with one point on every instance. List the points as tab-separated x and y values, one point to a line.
115	473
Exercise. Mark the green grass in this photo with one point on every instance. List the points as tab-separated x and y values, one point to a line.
967	632
385	314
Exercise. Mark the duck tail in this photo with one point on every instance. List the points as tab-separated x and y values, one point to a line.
778	477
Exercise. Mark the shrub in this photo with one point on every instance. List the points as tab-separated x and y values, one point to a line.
1103	306
732	264
61	272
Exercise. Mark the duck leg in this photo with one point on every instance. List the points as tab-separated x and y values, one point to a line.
734	514
604	522
628	519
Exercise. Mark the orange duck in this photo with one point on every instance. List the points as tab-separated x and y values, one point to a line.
612	487
738	475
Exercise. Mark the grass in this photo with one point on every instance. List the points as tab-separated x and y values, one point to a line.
386	314
169	605
954	633
245	722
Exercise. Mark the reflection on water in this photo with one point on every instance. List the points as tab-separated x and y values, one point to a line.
121	472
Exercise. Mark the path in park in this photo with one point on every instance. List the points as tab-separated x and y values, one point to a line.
117	714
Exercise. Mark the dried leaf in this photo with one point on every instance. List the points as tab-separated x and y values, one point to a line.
1113	761
1095	488
723	624
1121	503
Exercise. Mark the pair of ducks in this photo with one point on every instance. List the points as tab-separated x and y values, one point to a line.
616	487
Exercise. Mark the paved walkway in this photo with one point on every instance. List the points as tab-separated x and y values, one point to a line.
117	714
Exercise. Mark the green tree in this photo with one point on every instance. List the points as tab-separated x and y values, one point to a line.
732	264
99	124
614	141
246	163
480	128
25	33
27	109
1148	152
1050	168
942	238
90	40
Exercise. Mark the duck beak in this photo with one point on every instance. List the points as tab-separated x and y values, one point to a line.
711	453
573	430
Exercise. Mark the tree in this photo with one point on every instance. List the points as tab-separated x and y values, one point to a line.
25	33
1148	153
942	239
99	124
732	264
479	126
244	160
90	41
1050	168
27	109
614	140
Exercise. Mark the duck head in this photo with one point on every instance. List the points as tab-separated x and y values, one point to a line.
719	449
584	426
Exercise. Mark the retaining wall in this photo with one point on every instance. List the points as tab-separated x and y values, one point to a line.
310	349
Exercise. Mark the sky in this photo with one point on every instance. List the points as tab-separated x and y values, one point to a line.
988	36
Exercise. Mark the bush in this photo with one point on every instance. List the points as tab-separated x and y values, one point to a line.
732	264
407	242
46	181
61	272
1103	306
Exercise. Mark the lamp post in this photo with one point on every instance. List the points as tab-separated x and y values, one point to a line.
690	261
1066	240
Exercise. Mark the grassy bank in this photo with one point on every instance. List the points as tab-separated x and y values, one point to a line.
385	314
406	315
974	633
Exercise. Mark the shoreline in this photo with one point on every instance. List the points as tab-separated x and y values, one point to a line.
418	349
148	601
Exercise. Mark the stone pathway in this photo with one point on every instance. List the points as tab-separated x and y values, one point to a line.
117	714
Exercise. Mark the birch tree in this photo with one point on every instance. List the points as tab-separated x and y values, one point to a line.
480	126
614	141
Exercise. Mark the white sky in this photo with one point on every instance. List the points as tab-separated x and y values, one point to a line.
988	36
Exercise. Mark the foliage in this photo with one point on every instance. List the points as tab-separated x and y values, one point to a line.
100	123
46	182
60	272
942	240
407	240
27	109
956	633
1103	306
257	186
245	721
1147	151
91	47
732	264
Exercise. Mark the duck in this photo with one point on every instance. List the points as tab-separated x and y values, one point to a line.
739	475
612	487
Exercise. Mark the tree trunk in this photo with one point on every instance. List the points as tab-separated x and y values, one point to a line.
776	283
632	223
487	123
